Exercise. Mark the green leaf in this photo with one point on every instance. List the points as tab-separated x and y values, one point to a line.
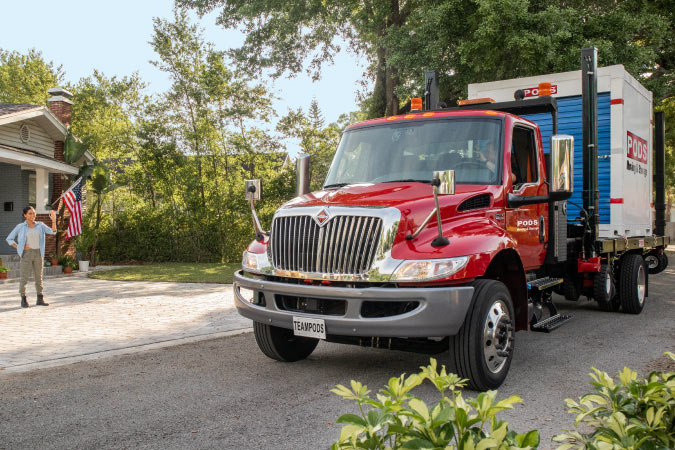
350	431
529	439
420	408
352	419
418	444
487	443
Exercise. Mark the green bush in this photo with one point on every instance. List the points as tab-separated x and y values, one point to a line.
631	414
399	420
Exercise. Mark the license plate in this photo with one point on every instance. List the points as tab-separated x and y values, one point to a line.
305	326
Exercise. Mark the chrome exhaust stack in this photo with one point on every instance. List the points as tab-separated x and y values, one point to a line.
302	174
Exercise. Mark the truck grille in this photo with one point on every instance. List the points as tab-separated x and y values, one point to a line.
344	245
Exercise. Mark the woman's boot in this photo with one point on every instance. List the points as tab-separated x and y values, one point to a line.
41	301
24	302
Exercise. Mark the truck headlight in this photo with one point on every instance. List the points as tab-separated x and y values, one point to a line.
253	261
428	269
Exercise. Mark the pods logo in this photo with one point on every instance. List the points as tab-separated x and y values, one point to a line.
637	148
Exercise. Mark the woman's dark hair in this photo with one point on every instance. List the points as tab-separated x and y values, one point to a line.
26	209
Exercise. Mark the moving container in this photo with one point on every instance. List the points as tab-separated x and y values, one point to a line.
624	141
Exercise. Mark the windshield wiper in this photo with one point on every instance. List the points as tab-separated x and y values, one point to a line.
336	185
407	181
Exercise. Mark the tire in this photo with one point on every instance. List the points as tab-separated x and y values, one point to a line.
604	290
280	343
656	263
487	332
570	289
633	283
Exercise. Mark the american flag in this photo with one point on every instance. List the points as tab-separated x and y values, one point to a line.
73	200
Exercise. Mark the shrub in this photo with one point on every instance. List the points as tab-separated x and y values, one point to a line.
631	414
67	261
399	420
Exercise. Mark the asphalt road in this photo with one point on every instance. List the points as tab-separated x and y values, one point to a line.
224	394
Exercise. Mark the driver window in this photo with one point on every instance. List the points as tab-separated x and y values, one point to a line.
523	157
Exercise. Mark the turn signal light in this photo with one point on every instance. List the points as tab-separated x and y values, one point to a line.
544	89
416	104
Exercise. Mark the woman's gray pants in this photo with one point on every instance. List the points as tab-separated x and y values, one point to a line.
31	263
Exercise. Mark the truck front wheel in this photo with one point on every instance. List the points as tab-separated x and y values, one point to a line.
633	283
281	344
483	349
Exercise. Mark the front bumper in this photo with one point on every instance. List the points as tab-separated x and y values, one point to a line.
441	310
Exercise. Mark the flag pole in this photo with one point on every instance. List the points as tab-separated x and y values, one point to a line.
64	192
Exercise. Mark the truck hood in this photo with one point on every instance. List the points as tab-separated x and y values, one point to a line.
399	195
415	201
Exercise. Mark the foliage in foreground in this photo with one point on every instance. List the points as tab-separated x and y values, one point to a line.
399	420
631	414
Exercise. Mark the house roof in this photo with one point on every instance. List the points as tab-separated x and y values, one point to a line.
9	108
10	113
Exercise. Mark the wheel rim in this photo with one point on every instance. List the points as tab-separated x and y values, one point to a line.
497	336
608	286
641	284
652	261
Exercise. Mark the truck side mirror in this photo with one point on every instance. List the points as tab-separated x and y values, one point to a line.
253	190
447	181
562	157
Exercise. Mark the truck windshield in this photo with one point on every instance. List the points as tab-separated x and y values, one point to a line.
411	151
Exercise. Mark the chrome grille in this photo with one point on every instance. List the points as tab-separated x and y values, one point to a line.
344	244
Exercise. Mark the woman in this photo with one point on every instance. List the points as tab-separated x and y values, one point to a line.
28	239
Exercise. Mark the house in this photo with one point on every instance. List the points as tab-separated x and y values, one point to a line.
33	170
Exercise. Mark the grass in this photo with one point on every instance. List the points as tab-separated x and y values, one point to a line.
176	272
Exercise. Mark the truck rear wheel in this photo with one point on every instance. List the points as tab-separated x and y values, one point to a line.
633	283
604	291
656	263
483	349
281	344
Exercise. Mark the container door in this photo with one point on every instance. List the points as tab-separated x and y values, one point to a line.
527	225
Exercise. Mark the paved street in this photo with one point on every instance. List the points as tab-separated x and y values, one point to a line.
90	318
222	393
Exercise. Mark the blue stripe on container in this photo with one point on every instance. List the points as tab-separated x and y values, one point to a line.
569	122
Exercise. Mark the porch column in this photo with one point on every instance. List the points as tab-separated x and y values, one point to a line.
41	191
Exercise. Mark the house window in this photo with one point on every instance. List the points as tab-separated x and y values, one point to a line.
32	184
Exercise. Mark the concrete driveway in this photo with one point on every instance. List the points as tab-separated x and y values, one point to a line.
90	318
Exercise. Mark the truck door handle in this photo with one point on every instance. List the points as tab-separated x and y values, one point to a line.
542	229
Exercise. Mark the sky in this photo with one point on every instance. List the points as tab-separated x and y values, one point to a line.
113	36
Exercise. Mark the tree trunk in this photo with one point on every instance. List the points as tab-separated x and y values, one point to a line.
378	104
390	91
98	223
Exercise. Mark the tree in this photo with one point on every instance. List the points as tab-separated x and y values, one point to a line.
283	34
466	40
101	185
317	141
668	108
27	78
517	38
315	116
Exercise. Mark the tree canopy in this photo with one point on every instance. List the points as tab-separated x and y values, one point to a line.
466	40
27	78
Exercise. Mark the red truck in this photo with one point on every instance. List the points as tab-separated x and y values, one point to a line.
444	230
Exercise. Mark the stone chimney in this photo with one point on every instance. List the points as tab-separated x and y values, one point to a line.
61	105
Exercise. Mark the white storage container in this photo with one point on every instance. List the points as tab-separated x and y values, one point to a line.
624	141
